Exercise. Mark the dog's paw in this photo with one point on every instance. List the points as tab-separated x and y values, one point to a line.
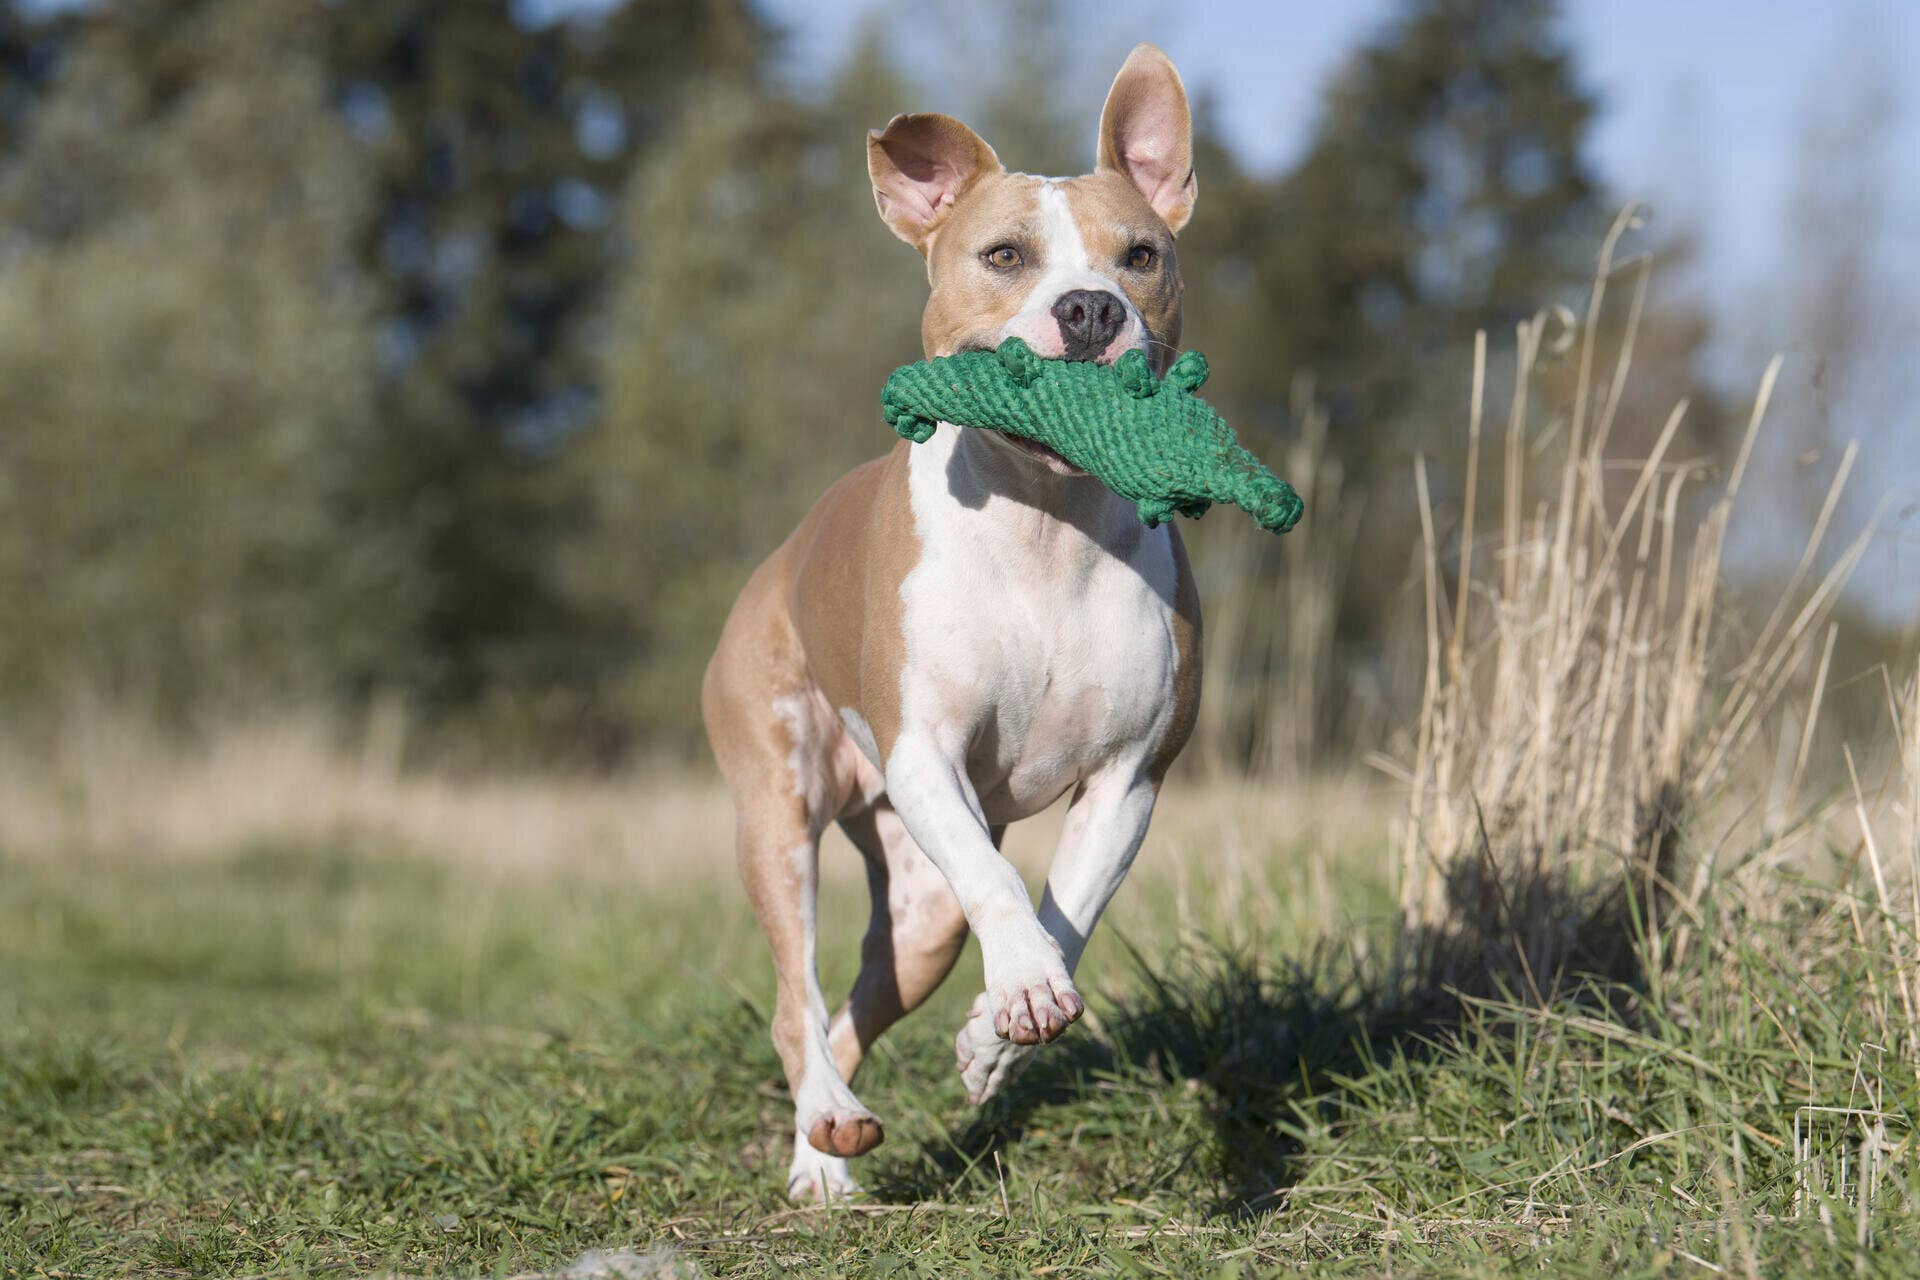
986	1060
844	1133
1034	1011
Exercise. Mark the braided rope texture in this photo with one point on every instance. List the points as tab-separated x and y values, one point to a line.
1151	441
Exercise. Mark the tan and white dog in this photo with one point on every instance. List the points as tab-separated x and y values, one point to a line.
962	631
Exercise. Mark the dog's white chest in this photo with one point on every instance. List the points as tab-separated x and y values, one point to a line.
1051	641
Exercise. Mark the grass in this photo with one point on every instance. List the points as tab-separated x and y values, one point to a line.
322	1060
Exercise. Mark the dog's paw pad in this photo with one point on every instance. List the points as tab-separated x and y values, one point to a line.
1036	1012
845	1133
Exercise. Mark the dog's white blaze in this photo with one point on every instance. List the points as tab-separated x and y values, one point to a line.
1066	250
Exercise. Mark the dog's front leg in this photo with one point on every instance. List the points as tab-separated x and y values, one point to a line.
1105	826
1029	997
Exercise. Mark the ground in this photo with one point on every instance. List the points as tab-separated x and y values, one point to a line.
341	1057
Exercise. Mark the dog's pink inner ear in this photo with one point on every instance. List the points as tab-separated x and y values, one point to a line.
920	165
1146	132
929	187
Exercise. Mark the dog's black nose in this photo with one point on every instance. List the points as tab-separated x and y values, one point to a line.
1089	319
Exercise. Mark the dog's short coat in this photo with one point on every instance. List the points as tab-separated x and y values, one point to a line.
962	631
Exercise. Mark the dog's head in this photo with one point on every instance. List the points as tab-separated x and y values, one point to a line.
1080	268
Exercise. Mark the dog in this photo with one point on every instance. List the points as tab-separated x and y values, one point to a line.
963	631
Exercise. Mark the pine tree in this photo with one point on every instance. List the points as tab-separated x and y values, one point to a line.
1446	190
501	150
31	46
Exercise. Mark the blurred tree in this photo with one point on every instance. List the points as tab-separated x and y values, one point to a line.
762	306
373	502
1445	190
490	384
30	49
1017	66
1241	580
185	361
500	145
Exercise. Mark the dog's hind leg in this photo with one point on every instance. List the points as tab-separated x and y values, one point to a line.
781	750
916	933
781	870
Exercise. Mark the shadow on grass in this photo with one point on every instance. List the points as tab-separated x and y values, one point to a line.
1268	1044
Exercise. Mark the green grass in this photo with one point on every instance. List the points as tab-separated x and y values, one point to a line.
336	1062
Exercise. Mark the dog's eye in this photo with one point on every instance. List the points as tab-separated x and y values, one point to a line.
1004	256
1141	256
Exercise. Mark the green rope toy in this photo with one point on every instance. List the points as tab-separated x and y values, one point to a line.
1153	442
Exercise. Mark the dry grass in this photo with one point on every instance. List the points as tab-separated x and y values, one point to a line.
110	786
1579	697
1889	846
1587	694
1266	705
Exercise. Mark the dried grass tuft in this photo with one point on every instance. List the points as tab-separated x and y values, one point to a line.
1581	704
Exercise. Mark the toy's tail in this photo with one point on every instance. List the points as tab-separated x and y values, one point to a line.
1248	485
1234	477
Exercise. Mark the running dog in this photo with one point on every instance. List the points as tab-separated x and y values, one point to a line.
963	631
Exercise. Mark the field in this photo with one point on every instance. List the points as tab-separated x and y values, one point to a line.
345	1055
1610	967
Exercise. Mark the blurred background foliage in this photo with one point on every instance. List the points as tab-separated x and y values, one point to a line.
461	357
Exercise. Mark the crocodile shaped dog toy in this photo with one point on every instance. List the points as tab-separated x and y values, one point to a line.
1151	441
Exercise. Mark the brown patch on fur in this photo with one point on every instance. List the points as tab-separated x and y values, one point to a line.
970	301
757	662
850	555
916	933
822	617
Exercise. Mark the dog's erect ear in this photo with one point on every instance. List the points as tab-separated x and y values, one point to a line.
920	165
1146	133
